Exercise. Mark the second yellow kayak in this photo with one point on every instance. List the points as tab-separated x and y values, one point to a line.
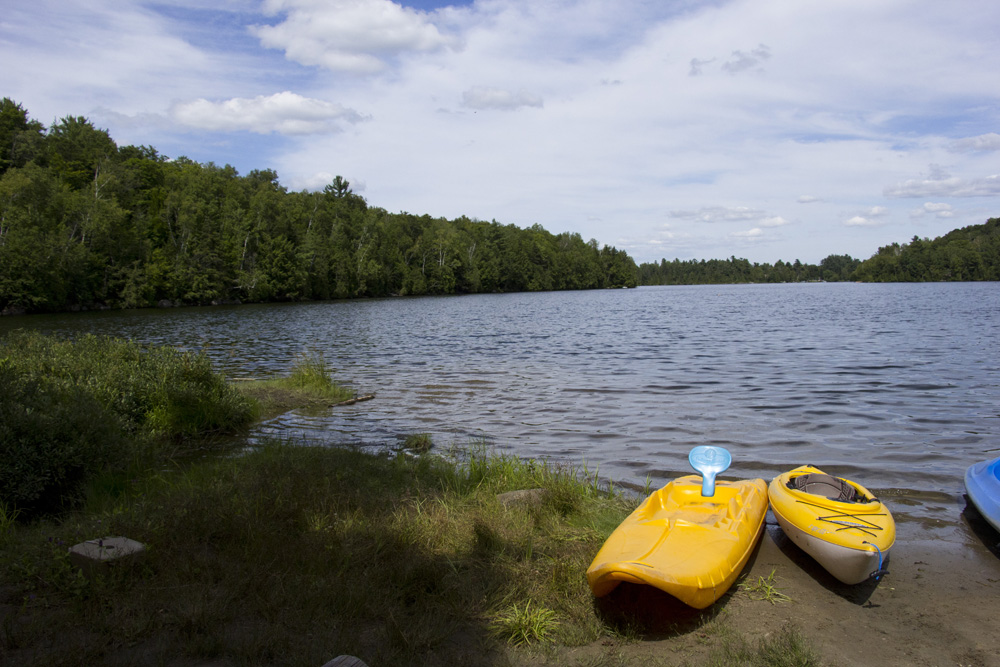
686	544
838	522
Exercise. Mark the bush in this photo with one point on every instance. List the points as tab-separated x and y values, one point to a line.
72	409
52	437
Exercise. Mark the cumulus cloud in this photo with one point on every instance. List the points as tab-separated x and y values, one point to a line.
939	183
938	210
719	214
713	214
754	233
861	221
496	98
984	142
870	217
282	113
349	35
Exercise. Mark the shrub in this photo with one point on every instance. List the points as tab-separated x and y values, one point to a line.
52	437
72	409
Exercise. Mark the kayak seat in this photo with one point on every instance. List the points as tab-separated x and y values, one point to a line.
827	486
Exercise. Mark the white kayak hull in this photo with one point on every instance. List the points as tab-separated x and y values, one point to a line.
850	566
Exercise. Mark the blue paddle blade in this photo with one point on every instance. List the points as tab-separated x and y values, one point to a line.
709	461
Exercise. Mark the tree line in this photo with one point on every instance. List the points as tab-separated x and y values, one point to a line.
86	223
966	254
969	253
733	270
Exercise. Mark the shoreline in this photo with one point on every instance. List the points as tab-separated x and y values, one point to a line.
935	606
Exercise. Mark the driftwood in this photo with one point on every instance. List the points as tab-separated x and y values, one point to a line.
357	399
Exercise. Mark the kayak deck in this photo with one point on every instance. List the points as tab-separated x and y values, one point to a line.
685	544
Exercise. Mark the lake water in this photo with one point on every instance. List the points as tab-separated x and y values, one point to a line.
894	385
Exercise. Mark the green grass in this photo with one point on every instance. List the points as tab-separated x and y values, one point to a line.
309	384
521	625
783	648
764	589
8	521
295	554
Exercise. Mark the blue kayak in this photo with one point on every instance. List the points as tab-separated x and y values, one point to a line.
982	484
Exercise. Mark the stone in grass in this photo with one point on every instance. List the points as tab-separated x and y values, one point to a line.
91	555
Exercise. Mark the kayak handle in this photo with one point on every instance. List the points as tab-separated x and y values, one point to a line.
709	461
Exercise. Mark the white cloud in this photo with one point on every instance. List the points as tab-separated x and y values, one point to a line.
723	214
754	233
984	142
713	214
283	113
861	221
870	217
940	183
808	199
938	210
741	61
481	98
349	35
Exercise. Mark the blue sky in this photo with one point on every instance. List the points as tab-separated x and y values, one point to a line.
765	129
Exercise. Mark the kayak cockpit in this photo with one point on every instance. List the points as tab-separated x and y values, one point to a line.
828	486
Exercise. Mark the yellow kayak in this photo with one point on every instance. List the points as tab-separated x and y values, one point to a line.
838	522
686	544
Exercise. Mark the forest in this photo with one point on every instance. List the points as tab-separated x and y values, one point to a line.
966	254
85	223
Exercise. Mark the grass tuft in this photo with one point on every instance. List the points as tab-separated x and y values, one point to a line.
764	589
420	443
8	520
310	384
521	625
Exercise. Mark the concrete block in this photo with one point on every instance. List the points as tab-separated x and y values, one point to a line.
345	661
92	555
